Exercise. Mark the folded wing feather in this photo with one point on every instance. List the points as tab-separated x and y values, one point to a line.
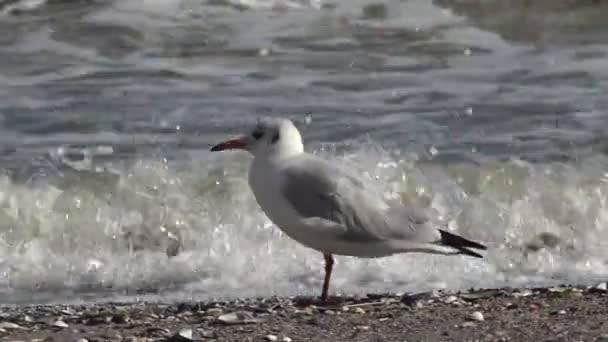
316	188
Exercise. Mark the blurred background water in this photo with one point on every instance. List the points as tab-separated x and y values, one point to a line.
491	114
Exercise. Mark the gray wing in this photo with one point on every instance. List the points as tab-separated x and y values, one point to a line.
316	188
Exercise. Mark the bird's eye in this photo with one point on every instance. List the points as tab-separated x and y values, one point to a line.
257	135
275	138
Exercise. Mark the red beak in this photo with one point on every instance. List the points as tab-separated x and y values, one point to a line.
229	145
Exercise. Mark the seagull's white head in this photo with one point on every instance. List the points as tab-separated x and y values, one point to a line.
271	137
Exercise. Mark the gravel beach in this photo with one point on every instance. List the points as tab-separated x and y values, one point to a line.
542	314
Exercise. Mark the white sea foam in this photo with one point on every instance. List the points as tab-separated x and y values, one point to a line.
101	233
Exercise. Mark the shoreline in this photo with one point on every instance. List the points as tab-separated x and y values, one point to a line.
507	314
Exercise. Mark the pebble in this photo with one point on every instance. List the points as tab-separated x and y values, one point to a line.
522	293
287	339
476	316
9	325
306	311
182	336
450	299
238	317
467	324
206	333
152	316
271	338
67	311
561	312
185	333
480	294
602	286
391	301
214	312
359	310
60	324
82	340
329	312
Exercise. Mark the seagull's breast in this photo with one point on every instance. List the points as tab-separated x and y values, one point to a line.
265	182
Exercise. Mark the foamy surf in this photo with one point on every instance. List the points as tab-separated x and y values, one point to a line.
175	231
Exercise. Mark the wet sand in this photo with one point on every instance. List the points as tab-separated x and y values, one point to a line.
543	314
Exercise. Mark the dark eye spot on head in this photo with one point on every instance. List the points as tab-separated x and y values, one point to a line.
275	138
257	135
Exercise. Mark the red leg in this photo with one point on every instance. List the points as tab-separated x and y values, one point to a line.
329	263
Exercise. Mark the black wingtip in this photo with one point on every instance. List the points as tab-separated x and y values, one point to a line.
461	244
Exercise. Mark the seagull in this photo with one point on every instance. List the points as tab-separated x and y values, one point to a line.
327	208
